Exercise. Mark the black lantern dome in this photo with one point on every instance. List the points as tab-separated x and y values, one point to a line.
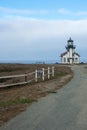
70	40
70	44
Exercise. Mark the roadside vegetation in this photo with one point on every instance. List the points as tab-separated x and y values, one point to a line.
14	100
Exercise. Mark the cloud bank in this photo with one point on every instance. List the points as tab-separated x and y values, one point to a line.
35	39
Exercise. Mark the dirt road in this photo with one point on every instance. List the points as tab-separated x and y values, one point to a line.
64	110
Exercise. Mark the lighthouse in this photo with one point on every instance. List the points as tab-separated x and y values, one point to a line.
70	56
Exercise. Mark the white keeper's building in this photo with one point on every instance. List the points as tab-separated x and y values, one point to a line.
70	56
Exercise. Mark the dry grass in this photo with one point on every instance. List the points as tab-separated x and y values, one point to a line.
13	100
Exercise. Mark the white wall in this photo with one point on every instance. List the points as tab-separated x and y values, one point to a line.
76	59
64	59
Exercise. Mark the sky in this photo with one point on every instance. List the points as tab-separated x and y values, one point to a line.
38	30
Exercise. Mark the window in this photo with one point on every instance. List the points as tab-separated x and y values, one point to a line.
76	59
64	59
68	60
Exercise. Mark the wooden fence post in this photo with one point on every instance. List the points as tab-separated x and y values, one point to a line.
48	72
43	74
52	71
25	77
35	75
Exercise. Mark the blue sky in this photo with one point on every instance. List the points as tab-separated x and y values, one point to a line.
39	29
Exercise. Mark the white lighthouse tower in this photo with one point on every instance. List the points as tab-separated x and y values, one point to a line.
71	49
70	56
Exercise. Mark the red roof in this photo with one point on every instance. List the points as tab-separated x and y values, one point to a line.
76	54
66	53
63	54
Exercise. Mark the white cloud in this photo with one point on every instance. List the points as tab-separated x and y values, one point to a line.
81	13
11	12
64	11
25	38
21	11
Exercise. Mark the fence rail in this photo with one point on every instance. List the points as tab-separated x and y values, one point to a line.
13	80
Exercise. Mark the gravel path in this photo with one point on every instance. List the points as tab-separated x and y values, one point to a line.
64	110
